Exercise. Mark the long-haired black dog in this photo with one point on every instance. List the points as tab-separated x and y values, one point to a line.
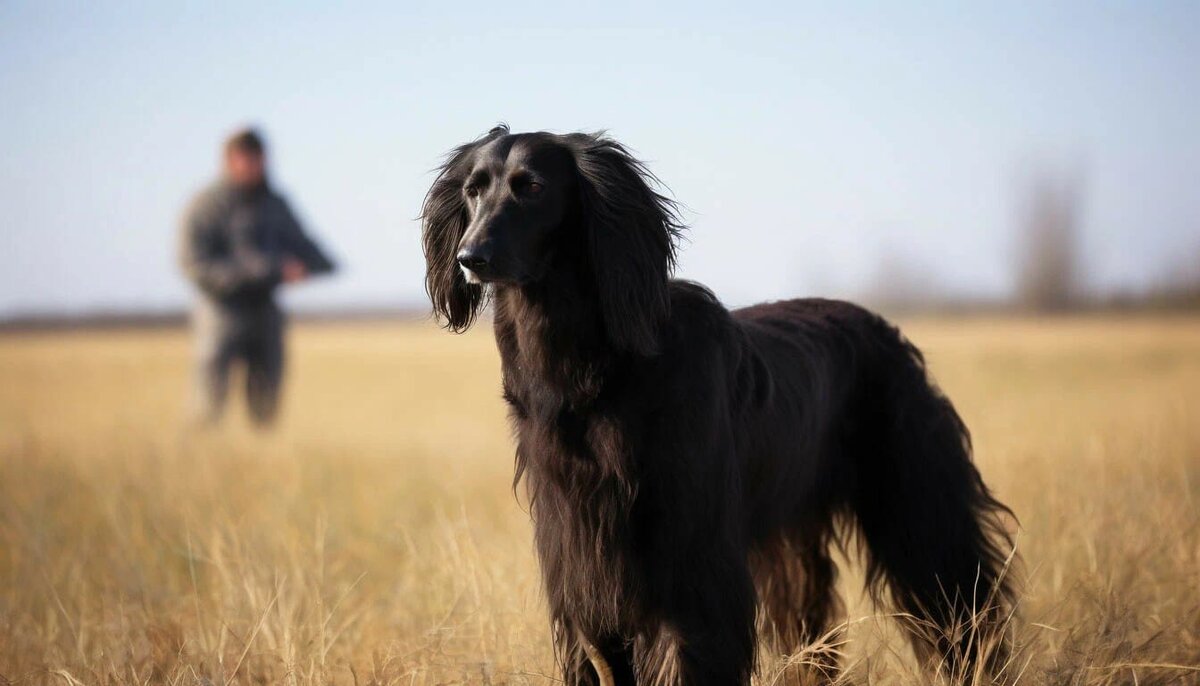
689	467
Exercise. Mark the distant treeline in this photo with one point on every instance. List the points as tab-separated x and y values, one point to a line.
168	319
1049	274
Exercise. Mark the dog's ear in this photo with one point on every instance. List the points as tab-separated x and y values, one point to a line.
444	221
631	231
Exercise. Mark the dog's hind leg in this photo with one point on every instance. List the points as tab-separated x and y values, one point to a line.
821	609
800	607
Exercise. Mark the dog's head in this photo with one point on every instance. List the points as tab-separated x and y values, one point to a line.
507	209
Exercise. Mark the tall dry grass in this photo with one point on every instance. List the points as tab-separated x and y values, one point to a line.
375	538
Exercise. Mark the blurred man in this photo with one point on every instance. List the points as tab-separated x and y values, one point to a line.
240	241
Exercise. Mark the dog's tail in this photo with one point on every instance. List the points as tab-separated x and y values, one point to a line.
933	533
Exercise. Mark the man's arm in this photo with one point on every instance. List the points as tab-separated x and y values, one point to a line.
302	248
212	265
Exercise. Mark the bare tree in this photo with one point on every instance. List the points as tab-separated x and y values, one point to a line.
1047	259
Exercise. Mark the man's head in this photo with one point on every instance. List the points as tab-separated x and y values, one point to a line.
245	159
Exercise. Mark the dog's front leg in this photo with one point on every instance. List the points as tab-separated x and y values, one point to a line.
604	672
611	659
605	661
708	656
706	634
698	623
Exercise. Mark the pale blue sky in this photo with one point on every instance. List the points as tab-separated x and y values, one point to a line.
807	142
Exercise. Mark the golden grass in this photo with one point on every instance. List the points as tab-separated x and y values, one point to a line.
375	538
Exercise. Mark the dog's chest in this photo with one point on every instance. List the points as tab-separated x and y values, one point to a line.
547	428
583	494
562	441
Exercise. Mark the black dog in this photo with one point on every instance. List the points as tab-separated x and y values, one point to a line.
689	467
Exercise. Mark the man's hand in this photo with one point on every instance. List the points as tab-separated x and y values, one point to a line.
293	270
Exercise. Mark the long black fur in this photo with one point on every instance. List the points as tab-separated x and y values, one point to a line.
689	467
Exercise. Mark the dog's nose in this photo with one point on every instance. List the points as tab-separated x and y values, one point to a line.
474	259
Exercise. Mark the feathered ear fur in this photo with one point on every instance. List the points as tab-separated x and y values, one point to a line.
631	233
444	220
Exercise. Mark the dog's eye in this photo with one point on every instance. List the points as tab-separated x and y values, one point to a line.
533	188
471	191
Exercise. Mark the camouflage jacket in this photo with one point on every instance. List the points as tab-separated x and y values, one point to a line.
233	244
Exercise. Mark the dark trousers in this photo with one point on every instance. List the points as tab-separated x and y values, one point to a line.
248	335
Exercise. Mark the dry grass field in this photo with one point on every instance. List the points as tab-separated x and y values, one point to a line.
375	537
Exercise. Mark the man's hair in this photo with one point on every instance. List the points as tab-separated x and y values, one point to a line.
246	140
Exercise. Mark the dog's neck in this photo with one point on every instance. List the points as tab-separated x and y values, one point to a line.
552	334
